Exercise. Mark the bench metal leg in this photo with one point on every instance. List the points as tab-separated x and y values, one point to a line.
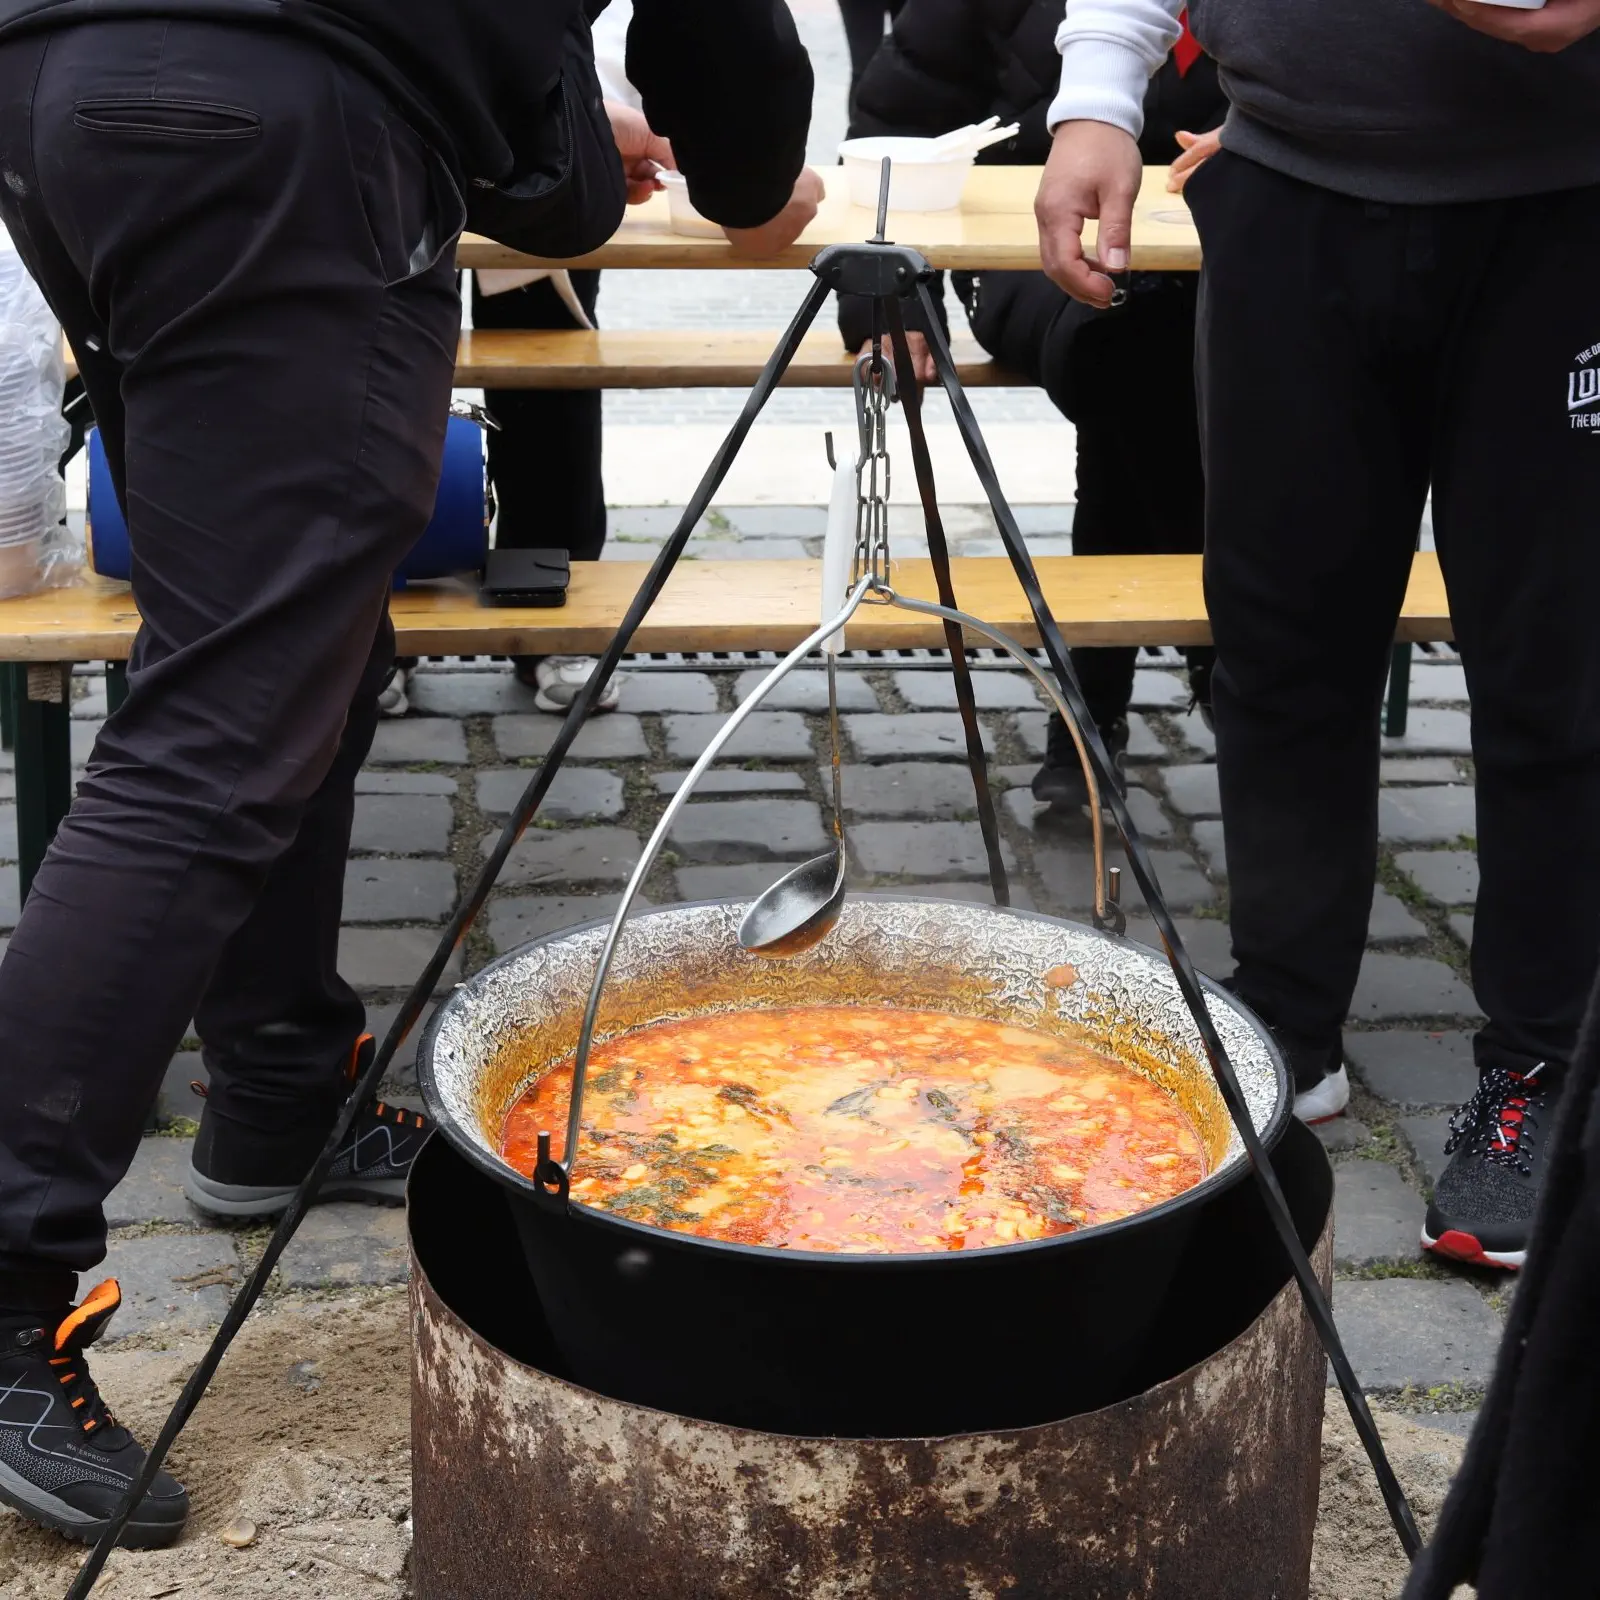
116	685
11	673
1394	716
44	761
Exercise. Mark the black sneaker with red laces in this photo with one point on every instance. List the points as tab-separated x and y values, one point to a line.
1484	1201
241	1170
65	1461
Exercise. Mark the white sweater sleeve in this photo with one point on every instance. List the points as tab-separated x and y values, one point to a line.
1109	49
610	53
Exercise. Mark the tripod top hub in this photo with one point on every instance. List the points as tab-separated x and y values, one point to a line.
872	268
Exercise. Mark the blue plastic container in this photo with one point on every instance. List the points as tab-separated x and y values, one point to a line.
455	540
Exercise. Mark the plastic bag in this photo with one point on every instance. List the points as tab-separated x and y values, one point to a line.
37	549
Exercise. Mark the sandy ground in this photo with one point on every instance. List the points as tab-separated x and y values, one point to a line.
305	1434
1356	1556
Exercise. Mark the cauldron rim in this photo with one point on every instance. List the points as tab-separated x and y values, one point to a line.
1224	1177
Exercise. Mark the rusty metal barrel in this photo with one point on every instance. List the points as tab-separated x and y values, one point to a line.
1202	1485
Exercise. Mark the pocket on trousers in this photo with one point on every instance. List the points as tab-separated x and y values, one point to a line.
152	118
413	205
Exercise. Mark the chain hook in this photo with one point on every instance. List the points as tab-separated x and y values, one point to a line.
873	383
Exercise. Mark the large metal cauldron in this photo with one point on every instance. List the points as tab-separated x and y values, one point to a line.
851	1345
1201	1485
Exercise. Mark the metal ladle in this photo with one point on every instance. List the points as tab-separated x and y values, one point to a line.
800	909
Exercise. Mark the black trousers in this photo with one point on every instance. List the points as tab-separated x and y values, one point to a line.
544	460
1126	380
1349	355
863	30
252	255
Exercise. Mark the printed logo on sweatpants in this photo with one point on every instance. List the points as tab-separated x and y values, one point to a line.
1583	390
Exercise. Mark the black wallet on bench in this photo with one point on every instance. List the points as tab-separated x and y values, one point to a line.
526	578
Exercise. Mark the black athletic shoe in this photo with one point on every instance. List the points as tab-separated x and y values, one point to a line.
1484	1201
65	1461
1059	782
240	1171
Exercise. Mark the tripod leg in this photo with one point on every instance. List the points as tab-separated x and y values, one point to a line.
1316	1302
939	552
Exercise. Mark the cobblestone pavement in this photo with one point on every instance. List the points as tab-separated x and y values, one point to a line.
441	780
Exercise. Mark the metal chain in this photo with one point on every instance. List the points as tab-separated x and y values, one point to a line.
873	382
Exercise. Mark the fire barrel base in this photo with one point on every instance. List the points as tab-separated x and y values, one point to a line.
1200	1486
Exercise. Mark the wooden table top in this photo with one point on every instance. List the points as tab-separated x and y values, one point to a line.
731	605
993	229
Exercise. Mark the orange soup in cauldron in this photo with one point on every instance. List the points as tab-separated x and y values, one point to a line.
861	1129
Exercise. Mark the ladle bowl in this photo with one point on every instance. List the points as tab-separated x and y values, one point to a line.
798	911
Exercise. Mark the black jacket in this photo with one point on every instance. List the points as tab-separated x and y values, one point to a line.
727	81
951	62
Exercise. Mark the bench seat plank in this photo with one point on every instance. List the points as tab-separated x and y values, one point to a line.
678	358
730	605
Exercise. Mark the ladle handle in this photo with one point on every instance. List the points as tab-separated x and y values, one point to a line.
552	1178
838	549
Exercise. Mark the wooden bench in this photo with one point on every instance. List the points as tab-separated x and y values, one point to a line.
706	605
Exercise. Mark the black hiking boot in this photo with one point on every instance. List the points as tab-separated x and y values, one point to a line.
1059	782
65	1461
1484	1201
237	1170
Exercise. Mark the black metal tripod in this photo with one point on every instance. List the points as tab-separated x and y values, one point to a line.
891	275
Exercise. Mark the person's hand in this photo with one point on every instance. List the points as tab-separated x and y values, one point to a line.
1558	24
781	231
921	354
1198	148
1094	170
644	152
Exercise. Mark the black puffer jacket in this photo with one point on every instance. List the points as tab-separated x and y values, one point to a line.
727	81
951	62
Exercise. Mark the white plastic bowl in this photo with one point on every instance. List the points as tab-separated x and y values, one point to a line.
685	219
918	180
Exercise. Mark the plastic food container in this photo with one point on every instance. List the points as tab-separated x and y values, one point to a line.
919	180
685	219
21	565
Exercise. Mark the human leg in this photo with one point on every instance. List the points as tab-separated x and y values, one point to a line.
1516	478
1315	385
281	451
545	465
1139	486
863	32
544	458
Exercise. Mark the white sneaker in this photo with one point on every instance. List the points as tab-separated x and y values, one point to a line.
393	700
559	680
1327	1101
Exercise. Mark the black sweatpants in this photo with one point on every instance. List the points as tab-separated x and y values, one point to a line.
1126	380
252	255
544	460
1349	355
